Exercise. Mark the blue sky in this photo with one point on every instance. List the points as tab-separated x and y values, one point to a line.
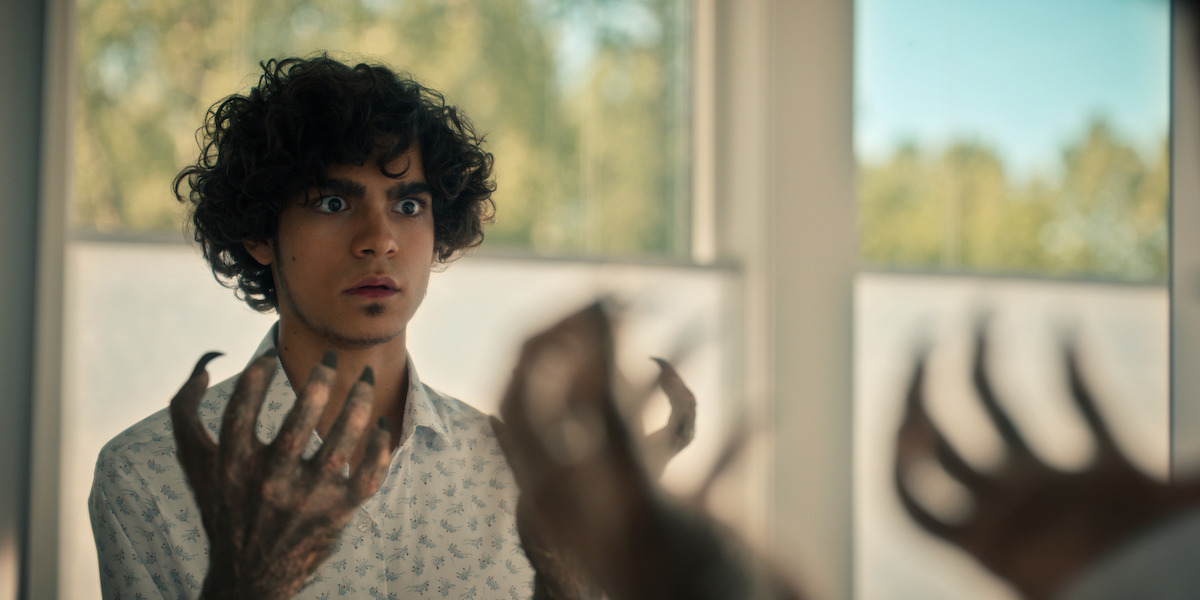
1024	76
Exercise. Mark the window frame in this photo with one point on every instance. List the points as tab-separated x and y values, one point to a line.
1184	244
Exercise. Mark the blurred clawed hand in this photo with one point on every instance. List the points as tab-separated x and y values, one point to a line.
1032	525
586	482
272	516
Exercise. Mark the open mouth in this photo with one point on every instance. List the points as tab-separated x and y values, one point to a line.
373	289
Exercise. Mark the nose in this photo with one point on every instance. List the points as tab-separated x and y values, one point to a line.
374	235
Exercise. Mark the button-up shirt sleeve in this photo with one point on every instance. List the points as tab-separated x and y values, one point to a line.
144	552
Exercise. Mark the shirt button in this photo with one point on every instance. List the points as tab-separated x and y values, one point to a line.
364	526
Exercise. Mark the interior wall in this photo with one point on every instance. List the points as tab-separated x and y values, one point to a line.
21	41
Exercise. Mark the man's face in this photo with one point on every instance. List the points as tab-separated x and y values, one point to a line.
351	261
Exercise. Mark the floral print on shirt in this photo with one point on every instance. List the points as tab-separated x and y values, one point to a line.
442	524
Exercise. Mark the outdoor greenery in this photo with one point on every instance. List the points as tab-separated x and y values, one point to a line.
585	103
1101	214
586	107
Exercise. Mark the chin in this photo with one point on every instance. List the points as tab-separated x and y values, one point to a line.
365	332
366	338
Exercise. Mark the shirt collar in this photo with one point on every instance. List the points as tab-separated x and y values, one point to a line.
420	410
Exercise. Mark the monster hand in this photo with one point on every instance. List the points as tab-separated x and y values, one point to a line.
272	516
1032	525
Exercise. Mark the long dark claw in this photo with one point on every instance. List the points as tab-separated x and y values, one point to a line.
917	435
186	402
194	447
682	422
918	430
914	408
661	446
1106	445
203	363
957	467
923	517
983	385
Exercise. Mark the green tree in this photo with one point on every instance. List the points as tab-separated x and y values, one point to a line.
901	217
1110	212
580	168
1103	215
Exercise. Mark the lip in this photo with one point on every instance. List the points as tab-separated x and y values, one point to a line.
374	287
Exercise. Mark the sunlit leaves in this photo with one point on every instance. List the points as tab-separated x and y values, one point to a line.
590	163
1101	214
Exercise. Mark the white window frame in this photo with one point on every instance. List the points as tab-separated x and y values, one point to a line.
1185	243
41	552
783	186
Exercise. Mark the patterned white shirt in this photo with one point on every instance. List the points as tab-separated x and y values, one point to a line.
442	524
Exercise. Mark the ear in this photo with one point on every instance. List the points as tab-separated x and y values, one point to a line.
263	251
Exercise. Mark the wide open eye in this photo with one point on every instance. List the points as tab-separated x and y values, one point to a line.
331	204
410	207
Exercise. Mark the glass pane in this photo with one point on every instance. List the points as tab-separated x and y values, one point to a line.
1026	139
586	104
1014	137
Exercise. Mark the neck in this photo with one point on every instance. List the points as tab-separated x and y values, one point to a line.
300	350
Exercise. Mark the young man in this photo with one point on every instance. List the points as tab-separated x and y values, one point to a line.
327	193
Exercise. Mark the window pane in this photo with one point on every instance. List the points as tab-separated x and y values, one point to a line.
586	104
1023	136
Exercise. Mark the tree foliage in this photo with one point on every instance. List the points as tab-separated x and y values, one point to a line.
1103	214
584	102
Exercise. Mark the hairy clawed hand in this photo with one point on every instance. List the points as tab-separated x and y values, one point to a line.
1033	525
586	482
271	515
591	514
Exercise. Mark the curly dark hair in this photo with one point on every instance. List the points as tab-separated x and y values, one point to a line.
305	115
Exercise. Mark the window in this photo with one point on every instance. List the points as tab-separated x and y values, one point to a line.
586	104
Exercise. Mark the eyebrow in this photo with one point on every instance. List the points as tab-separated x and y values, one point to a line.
354	189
